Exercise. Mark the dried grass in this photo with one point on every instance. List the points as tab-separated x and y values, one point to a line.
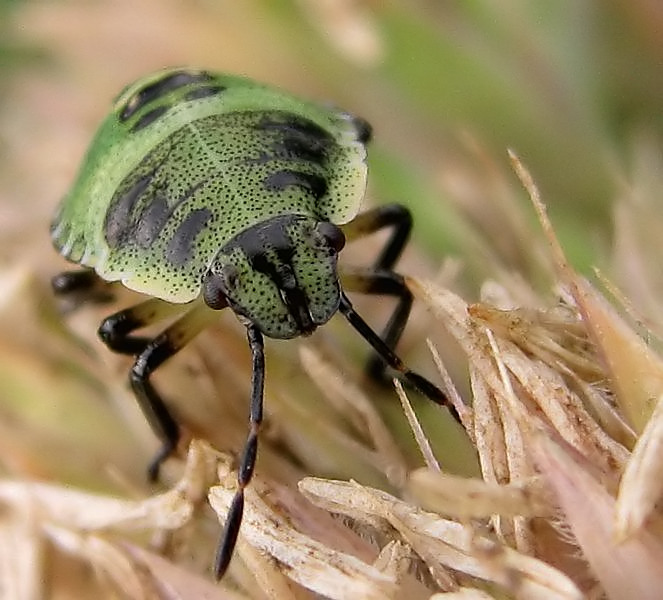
564	417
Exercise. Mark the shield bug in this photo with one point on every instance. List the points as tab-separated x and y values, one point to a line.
206	191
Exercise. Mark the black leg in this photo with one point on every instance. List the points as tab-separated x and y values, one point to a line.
248	459
381	280
389	215
428	389
385	283
81	286
153	354
115	330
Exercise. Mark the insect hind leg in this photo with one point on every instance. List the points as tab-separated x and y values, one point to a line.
116	332
81	286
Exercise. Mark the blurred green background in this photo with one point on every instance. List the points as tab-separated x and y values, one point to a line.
570	85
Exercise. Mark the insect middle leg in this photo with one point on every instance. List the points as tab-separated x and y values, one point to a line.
380	279
151	353
81	286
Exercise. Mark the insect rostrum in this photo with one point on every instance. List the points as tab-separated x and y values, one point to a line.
205	191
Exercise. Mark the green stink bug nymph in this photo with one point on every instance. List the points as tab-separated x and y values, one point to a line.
205	191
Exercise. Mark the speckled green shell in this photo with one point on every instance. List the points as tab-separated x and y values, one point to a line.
189	159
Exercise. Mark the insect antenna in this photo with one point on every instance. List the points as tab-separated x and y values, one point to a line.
427	388
247	462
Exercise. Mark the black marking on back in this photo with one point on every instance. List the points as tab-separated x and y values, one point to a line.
309	182
121	223
141	209
302	148
288	124
118	222
160	88
204	91
180	246
149	117
151	221
296	138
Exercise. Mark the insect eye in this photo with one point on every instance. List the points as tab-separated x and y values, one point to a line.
332	235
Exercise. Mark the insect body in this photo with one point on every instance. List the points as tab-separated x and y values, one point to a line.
205	191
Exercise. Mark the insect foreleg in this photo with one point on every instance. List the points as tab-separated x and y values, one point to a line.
153	355
115	331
